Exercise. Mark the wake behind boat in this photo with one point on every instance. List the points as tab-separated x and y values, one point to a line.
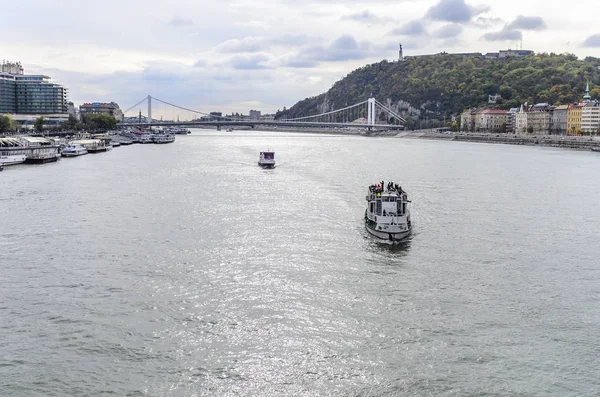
388	212
267	159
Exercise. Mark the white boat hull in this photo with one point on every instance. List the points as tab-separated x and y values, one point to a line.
13	159
399	236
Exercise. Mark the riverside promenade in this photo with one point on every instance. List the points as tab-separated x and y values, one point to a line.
561	141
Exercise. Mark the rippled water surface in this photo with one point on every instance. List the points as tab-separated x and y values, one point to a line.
186	270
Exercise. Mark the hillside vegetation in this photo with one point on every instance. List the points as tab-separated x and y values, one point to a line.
445	85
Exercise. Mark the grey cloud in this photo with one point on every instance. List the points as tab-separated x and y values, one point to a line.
592	41
247	44
180	22
252	61
454	11
527	23
448	31
503	35
297	61
366	16
344	48
412	28
290	39
483	22
258	44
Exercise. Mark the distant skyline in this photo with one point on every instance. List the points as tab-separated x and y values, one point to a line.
233	56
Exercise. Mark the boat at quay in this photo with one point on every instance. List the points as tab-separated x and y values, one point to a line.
163	138
91	145
74	151
388	212
28	150
38	150
12	151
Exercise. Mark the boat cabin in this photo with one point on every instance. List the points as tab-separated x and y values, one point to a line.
267	159
387	204
267	156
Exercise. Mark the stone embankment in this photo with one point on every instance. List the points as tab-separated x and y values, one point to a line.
568	142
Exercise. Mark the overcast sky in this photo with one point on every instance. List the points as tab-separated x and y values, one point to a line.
263	54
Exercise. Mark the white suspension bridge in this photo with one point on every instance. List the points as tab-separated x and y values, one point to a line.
369	114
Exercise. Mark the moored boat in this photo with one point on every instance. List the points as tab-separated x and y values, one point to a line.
267	159
27	149
146	138
596	149
91	145
164	138
12	151
74	151
388	212
42	150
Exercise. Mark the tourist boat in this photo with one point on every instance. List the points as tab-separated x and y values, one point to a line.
388	212
179	130
12	157
596	149
91	145
267	159
41	150
74	151
146	138
42	156
13	151
164	138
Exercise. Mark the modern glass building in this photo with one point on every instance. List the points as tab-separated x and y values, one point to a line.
29	96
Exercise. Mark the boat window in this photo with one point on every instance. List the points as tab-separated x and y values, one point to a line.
372	207
399	207
269	156
378	207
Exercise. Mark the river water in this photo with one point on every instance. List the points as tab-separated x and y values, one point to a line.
186	270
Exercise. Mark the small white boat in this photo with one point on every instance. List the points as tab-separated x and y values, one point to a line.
229	129
388	212
74	151
146	138
267	159
13	151
8	158
91	145
163	138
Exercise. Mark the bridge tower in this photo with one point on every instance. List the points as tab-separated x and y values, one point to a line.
371	111
149	120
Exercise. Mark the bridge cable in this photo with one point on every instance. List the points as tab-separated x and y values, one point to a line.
190	110
135	105
327	113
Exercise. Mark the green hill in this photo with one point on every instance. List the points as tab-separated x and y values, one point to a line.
444	85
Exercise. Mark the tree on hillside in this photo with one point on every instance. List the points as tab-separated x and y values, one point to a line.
39	124
447	84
